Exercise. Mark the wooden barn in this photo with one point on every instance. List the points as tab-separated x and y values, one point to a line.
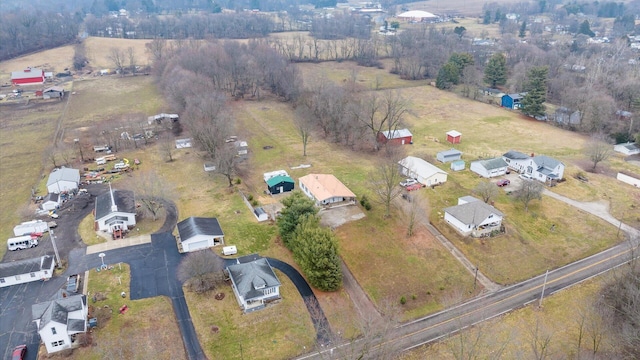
454	137
396	137
28	76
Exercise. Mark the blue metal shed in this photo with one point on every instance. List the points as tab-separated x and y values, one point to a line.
512	101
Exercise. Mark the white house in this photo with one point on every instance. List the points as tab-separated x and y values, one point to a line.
60	320
253	282
516	160
544	168
628	148
197	233
28	270
115	210
489	168
473	217
426	173
63	179
50	202
326	190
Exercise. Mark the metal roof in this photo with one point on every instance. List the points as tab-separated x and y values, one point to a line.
515	155
395	134
491	164
26	266
420	166
64	174
27	74
472	213
452	152
193	226
278	179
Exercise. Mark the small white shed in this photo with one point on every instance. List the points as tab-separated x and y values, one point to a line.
458	165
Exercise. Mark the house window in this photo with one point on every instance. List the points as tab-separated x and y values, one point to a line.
57	343
53	331
46	272
17	277
269	291
2	281
33	274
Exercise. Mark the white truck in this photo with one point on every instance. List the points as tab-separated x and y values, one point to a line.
31	227
22	242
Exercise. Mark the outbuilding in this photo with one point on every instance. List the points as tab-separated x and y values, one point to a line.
28	76
454	137
423	171
396	137
63	180
280	184
458	165
628	148
449	155
50	202
198	233
489	168
513	101
30	227
54	92
28	270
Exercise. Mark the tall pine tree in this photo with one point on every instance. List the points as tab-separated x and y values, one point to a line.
496	71
316	251
533	101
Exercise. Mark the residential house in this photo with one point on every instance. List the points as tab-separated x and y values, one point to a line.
566	116
254	282
628	148
28	270
50	202
516	160
63	180
59	321
326	190
513	101
396	137
28	76
423	171
489	168
544	168
449	155
115	211
280	184
197	233
473	217
454	137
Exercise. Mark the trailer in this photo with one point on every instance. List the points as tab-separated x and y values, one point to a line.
30	227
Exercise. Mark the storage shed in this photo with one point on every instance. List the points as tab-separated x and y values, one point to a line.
513	101
449	155
54	92
280	184
458	165
63	179
396	137
454	137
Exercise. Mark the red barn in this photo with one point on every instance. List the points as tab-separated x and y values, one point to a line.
454	137
396	137
28	76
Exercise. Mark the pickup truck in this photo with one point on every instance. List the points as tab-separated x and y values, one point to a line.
73	283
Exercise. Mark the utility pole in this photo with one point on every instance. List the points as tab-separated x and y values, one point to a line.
475	280
55	248
544	285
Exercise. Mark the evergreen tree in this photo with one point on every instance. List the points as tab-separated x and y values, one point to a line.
448	75
585	28
296	206
316	251
533	101
496	71
461	60
499	16
487	17
523	29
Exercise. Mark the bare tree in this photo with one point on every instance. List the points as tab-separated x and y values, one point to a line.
597	149
79	56
486	190
540	340
117	57
201	270
208	121
304	126
131	57
226	162
385	181
167	147
151	192
379	113
529	190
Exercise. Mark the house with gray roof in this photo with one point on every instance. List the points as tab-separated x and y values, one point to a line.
489	168
28	270
516	160
545	169
449	155
60	320
115	210
198	233
63	180
473	217
254	282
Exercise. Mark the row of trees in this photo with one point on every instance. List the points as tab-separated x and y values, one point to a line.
314	248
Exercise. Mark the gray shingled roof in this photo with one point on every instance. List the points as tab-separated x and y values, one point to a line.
66	174
250	278
451	152
545	162
515	155
472	213
58	310
25	266
74	325
193	226
124	200
491	164
51	197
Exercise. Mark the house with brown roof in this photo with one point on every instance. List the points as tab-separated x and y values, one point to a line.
326	190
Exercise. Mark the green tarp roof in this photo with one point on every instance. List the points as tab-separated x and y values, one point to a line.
278	179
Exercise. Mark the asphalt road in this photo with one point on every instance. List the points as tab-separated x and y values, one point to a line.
434	327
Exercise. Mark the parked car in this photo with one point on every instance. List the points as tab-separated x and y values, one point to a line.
525	177
73	283
415	186
52	224
19	352
408	182
503	182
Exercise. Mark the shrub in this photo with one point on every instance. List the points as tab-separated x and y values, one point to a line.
238	181
254	202
403	300
250	197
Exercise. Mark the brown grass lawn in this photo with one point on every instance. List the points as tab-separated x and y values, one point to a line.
127	336
282	330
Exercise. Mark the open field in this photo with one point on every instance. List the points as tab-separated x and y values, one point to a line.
559	320
126	335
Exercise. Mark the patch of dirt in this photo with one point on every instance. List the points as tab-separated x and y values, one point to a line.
340	216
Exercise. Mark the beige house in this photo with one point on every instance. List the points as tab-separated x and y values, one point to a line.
326	190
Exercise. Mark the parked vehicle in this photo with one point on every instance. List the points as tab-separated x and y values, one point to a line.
73	283
525	177
101	161
503	182
415	186
19	352
120	165
21	242
52	224
408	182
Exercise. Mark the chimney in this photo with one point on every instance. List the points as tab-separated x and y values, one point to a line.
114	207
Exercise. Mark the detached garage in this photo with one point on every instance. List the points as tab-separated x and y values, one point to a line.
280	184
197	233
